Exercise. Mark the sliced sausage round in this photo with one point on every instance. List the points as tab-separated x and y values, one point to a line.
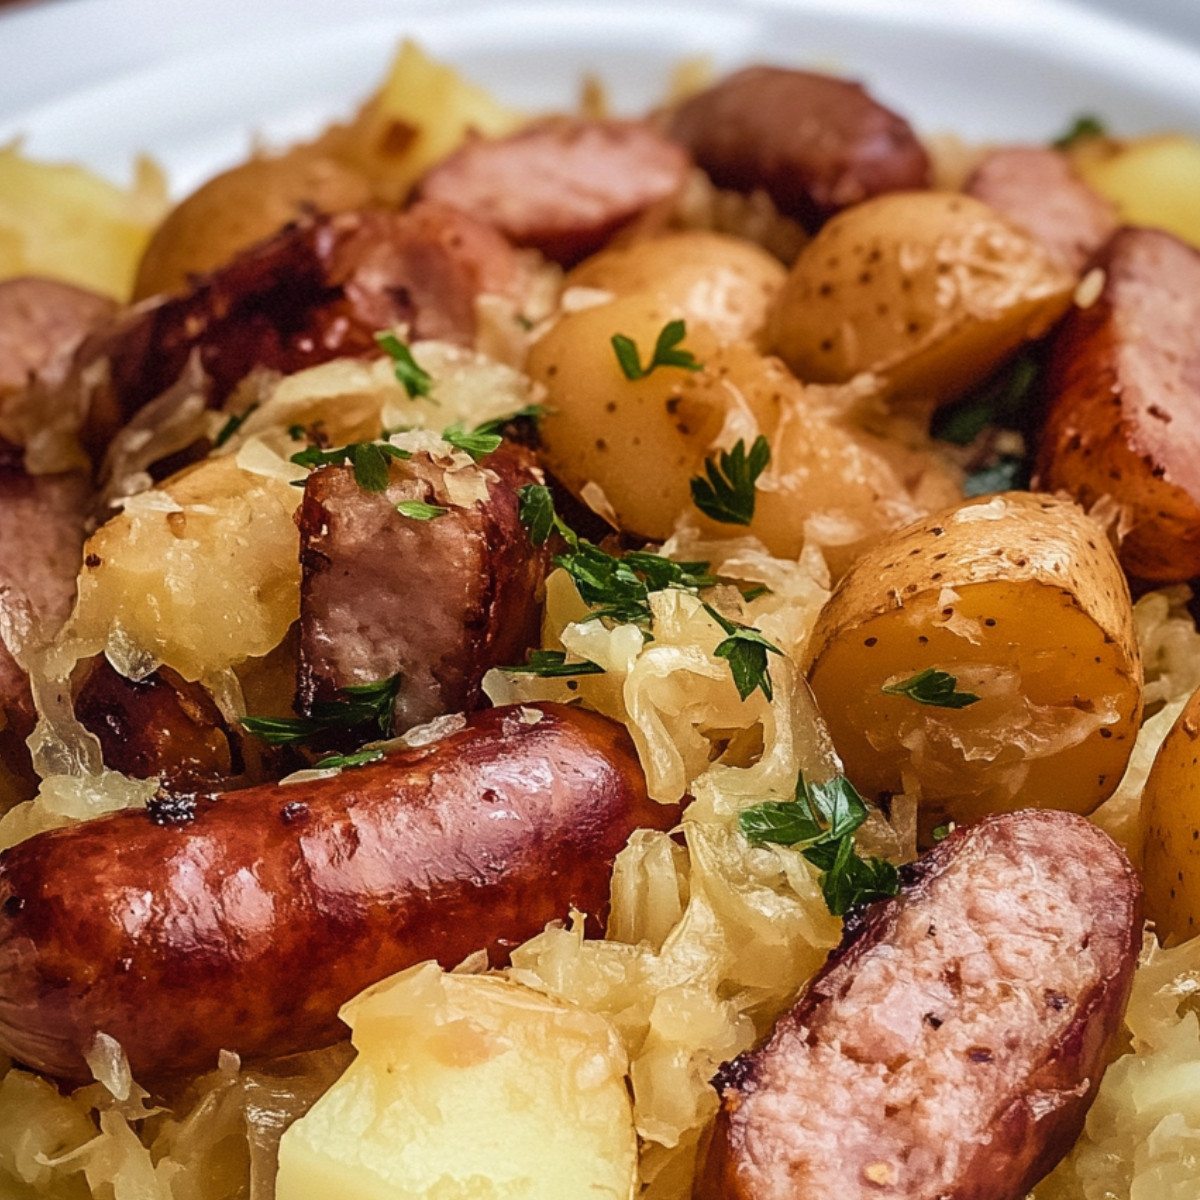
952	1044
815	143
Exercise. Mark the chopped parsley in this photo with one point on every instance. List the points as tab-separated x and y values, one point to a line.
552	664
478	443
364	703
369	460
938	689
531	411
746	651
359	758
418	510
1005	398
415	381
1082	129
726	491
619	587
667	352
821	822
232	426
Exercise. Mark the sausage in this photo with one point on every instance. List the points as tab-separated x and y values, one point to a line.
1037	188
952	1044
244	922
41	547
563	185
319	290
162	726
814	143
41	323
1122	408
438	603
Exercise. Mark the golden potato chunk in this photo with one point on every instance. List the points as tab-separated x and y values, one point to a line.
468	1085
1171	830
930	290
983	659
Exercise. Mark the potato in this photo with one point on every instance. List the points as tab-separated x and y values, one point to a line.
1171	830
64	222
242	206
723	282
467	1085
1152	180
1020	600
930	290
198	574
642	441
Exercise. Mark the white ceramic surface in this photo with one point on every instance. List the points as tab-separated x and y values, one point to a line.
101	80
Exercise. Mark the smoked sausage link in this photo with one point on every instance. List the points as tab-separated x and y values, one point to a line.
244	922
951	1046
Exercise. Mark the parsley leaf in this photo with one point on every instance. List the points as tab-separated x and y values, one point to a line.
746	651
1085	126
359	758
666	352
552	664
821	822
618	588
1005	398
934	688
369	460
365	702
727	494
232	426
418	510
476	443
415	381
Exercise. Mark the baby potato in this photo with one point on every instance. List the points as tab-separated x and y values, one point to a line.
725	282
1171	830
641	442
1153	180
983	659
242	206
929	290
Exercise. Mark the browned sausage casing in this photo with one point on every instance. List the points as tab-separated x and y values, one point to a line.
246	927
952	1044
1123	392
815	143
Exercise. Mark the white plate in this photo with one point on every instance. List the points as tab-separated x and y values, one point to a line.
99	81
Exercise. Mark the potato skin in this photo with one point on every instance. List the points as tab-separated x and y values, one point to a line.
1123	409
930	290
1021	599
1171	830
239	207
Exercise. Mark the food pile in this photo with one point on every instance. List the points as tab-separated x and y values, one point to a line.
566	654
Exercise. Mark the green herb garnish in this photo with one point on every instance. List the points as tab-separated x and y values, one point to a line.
821	822
938	689
1007	474
363	703
1082	129
475	443
359	758
369	460
552	664
232	426
1004	398
418	510
496	424
746	651
415	381
666	352
726	491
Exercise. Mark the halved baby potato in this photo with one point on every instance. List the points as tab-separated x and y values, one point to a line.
929	290
983	659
